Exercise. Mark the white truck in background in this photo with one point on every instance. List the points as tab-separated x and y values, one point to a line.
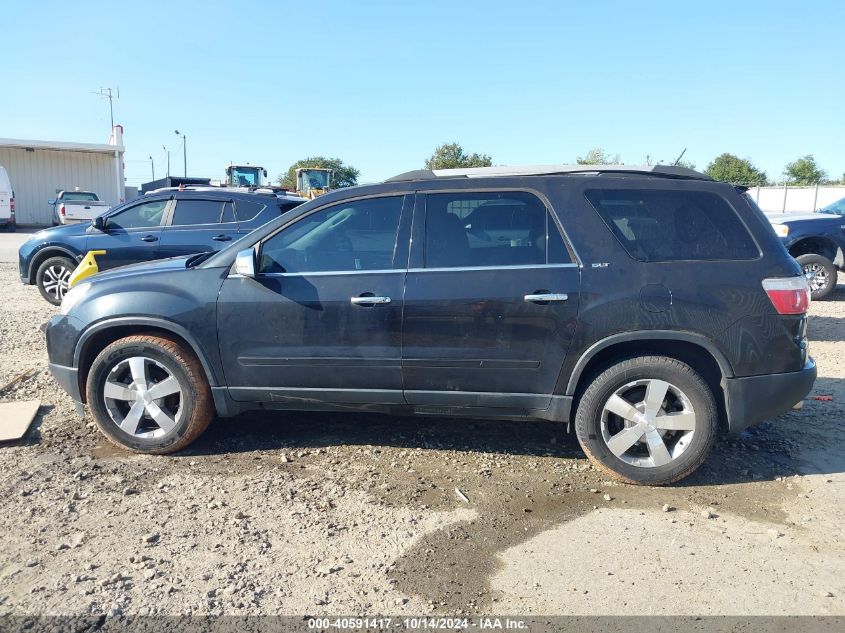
7	201
70	207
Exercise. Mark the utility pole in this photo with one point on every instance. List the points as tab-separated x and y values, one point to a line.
167	151
153	167
107	93
184	151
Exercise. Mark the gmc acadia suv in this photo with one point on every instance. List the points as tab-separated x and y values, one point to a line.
647	307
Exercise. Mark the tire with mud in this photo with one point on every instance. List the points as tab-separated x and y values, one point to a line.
149	394
647	420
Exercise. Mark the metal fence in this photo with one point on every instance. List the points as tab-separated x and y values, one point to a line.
786	199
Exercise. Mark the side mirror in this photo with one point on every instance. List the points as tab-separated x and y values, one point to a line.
245	263
99	223
51	201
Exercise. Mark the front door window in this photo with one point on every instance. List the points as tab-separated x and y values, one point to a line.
357	235
144	215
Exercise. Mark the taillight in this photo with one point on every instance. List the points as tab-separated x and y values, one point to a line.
789	295
62	210
12	206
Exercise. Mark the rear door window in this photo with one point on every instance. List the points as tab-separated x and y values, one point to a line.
190	212
247	211
490	229
661	225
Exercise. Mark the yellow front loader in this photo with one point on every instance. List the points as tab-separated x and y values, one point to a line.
313	181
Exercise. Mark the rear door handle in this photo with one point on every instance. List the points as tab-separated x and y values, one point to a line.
552	296
369	301
149	238
222	238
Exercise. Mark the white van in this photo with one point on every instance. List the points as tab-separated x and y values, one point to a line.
7	201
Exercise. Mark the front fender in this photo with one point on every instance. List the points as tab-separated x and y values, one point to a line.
146	322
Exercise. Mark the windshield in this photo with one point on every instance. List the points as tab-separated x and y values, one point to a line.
246	176
316	179
837	208
80	195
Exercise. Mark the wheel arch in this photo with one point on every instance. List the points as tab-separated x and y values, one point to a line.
816	245
98	336
690	348
43	255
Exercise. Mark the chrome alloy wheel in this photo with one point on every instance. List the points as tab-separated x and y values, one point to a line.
816	276
648	423
56	281
143	398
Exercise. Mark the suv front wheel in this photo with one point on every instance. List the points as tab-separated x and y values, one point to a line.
149	394
649	420
53	278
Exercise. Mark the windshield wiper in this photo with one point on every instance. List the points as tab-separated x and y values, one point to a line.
198	259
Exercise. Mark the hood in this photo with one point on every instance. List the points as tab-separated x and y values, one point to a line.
63	231
781	218
144	268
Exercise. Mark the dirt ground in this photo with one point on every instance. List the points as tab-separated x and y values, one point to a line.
357	514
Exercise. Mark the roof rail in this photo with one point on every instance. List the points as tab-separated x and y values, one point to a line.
665	171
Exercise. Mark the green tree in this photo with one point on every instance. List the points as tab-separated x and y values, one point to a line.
804	171
597	156
342	175
737	171
452	156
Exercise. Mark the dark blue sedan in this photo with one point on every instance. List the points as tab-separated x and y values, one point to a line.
156	226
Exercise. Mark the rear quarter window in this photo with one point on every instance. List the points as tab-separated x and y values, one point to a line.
660	225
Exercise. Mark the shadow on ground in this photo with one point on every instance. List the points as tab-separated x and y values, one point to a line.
779	448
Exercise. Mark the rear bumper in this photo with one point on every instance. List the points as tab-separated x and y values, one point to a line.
68	378
752	399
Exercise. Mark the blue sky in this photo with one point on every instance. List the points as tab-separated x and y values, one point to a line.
380	84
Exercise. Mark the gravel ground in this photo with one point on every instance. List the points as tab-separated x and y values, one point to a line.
350	514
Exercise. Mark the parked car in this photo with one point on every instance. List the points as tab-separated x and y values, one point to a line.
152	227
76	206
7	202
647	308
817	241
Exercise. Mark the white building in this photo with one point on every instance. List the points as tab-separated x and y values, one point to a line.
38	169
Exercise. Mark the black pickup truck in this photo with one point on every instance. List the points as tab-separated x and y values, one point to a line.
817	241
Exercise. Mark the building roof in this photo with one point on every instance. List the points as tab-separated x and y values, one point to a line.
97	148
667	171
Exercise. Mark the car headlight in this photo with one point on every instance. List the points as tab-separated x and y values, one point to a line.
781	230
73	296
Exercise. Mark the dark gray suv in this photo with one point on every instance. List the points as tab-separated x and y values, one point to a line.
648	308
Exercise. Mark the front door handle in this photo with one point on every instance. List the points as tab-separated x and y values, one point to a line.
222	238
369	300
149	238
545	298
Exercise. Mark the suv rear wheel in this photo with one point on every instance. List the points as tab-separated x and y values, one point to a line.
648	420
821	273
53	278
149	394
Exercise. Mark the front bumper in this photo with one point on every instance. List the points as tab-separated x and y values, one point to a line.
752	399
68	378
